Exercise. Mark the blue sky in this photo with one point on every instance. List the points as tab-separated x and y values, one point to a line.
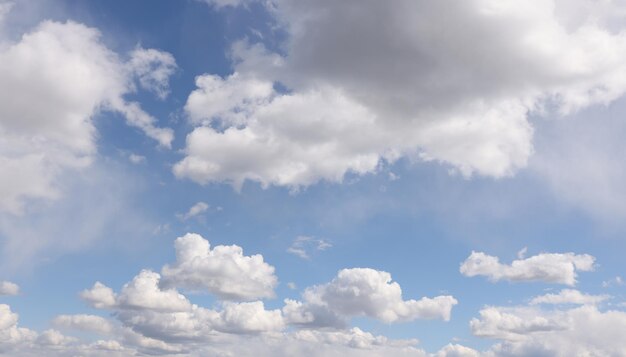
424	179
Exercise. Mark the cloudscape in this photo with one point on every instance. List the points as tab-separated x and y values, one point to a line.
425	178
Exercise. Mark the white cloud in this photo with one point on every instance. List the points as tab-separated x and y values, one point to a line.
303	245
153	69
545	267
194	210
332	136
9	288
354	337
12	336
455	350
581	331
143	292
136	159
89	323
360	95
99	296
512	324
223	270
569	296
54	81
363	292
248	317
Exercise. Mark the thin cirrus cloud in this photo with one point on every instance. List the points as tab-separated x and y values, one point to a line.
47	108
303	246
429	90
545	267
195	210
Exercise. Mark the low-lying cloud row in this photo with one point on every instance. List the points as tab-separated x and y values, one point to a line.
150	315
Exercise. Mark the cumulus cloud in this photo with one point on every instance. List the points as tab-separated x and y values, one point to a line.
99	296
12	336
504	324
581	331
363	292
455	350
223	270
546	267
9	288
274	149
358	96
569	296
48	107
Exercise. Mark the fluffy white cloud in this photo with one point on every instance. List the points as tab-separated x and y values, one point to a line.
99	296
363	292
12	336
454	350
248	317
223	270
545	267
290	140
581	331
354	337
360	95
513	324
9	288
569	296
53	82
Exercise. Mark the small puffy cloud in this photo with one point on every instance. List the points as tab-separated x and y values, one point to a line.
363	292
194	210
99	296
303	245
569	296
9	288
223	270
455	350
546	267
54	81
143	292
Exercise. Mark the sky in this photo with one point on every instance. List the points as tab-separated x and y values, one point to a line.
312	178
